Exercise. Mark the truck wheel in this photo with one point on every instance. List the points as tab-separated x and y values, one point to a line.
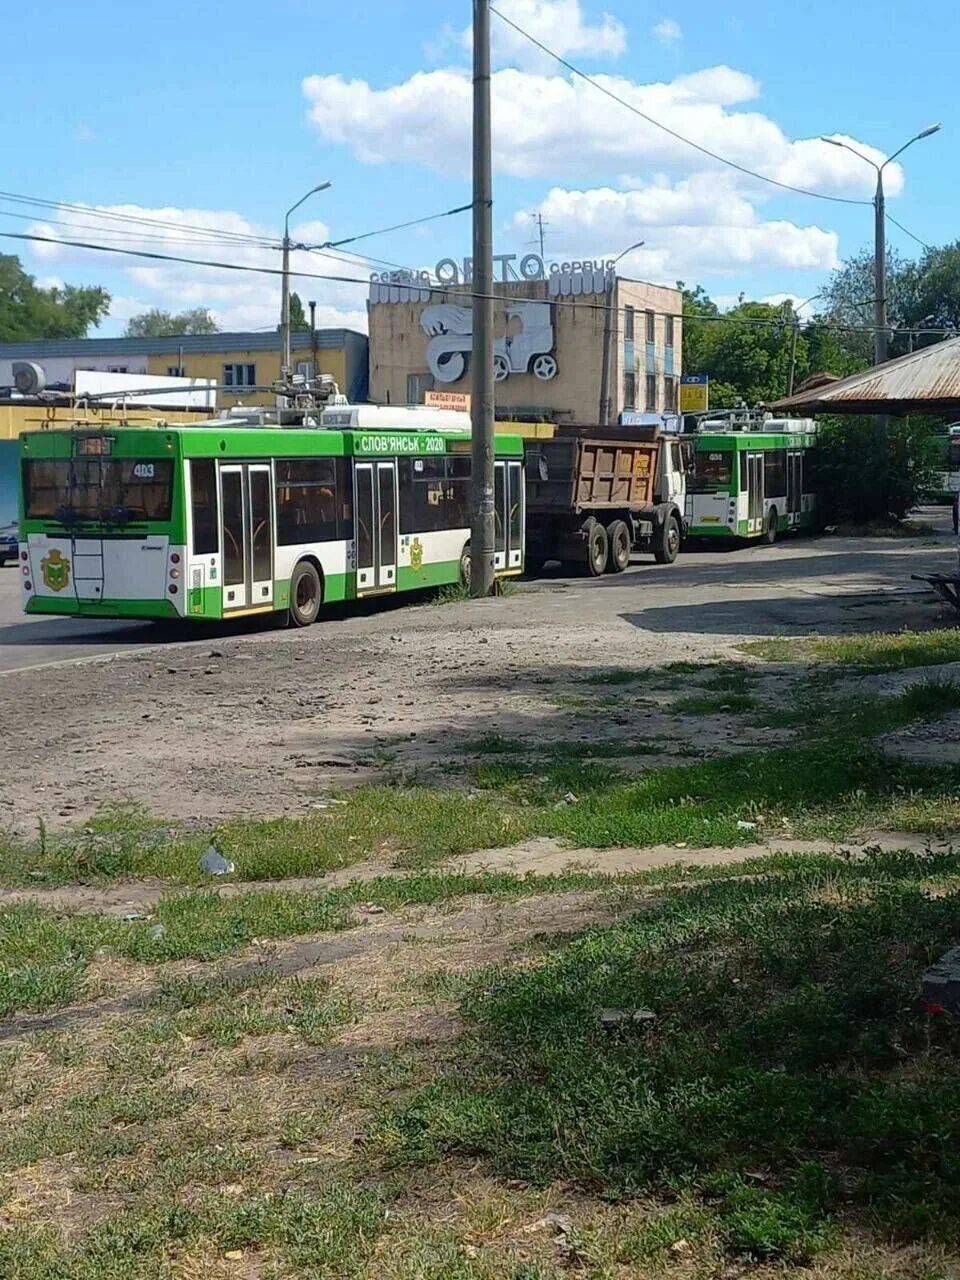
666	541
770	528
306	594
596	558
618	554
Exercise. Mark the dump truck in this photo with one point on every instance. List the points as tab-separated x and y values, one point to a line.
596	494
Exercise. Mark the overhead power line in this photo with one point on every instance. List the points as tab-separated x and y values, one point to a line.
751	173
414	286
907	232
398	226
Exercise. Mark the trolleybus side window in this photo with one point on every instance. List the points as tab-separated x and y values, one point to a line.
434	494
313	501
775	473
203	506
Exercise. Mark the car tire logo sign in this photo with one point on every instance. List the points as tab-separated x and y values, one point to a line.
56	571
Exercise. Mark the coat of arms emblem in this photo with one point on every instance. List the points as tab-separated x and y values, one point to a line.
55	570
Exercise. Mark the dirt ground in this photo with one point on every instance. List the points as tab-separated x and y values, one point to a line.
269	723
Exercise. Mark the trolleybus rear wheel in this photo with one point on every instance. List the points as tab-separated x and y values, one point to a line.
306	594
770	528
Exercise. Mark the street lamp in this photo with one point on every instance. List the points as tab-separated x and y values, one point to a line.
879	238
285	358
793	342
608	335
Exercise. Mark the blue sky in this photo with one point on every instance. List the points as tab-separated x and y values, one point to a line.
222	115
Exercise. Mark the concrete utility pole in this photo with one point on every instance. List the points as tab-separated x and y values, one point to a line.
880	336
482	533
285	357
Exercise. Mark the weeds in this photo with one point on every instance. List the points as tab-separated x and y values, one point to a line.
790	1077
871	651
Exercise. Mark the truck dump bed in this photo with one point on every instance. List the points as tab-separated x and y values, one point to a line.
579	471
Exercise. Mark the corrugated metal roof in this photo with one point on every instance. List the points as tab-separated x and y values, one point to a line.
924	381
327	339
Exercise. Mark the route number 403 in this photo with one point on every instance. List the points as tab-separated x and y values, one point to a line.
143	471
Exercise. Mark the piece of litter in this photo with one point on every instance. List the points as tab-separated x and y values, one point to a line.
682	845
129	916
746	826
570	798
157	932
615	1019
680	1246
234	1255
373	908
560	1223
214	863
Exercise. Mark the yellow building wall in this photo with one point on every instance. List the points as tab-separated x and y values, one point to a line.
17	418
209	364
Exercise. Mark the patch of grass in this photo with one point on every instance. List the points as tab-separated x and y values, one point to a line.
790	1081
615	675
712	704
326	1232
869	652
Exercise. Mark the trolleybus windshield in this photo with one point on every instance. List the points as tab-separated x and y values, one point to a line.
712	471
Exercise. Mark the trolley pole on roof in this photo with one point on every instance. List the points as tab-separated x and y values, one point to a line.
482	410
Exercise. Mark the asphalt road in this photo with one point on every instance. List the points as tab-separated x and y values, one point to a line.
816	584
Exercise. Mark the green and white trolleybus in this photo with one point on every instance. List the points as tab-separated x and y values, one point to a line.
753	477
225	519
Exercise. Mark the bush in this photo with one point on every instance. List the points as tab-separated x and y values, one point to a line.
874	469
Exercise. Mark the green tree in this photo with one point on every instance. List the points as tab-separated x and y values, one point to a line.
931	294
162	324
848	302
874	469
297	318
745	351
27	311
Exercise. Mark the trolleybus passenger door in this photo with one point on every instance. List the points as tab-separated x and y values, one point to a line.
246	532
386	525
260	504
515	515
755	493
233	525
794	485
375	506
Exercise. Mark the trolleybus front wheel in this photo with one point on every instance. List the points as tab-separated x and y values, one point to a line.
306	594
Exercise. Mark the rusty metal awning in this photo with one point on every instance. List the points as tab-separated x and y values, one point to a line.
926	381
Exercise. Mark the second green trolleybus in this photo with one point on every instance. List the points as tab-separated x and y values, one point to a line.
223	520
753	478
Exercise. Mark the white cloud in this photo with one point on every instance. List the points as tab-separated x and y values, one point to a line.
555	126
559	24
83	133
667	31
703	224
238	299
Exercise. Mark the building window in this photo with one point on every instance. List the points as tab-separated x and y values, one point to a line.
651	326
176	371
418	384
670	395
629	390
651	393
117	368
628	324
305	369
668	331
239	375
